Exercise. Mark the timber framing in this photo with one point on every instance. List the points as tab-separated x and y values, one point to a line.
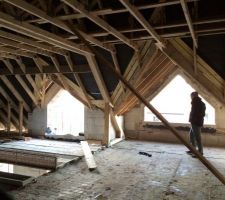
38	45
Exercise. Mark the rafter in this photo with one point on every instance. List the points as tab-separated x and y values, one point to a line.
38	64
13	118
107	11
74	91
27	89
38	33
139	17
98	78
50	69
23	47
100	22
8	65
59	76
77	78
15	92
8	116
8	98
16	52
21	64
39	13
31	42
189	21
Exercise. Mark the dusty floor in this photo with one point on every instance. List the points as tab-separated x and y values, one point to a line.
124	174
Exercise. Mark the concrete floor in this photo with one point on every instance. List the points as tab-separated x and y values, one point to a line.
123	174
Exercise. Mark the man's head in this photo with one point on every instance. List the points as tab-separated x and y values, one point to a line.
194	94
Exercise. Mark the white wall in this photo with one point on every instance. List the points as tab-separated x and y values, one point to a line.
93	124
220	117
134	129
37	121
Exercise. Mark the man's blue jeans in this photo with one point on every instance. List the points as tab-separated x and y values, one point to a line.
195	137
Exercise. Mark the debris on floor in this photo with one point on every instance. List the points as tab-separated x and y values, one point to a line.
88	156
145	154
124	174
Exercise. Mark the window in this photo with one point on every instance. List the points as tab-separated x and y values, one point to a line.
65	114
174	103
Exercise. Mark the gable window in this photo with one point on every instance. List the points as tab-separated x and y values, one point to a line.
174	103
65	114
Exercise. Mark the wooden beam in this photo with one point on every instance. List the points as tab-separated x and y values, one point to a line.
31	42
116	64
54	89
78	80
195	59
115	123
14	91
50	69
24	47
77	90
59	76
32	82
13	105
139	17
201	32
189	21
38	64
182	55
100	22
20	117
21	64
3	118
8	116
27	89
16	52
98	78
88	155
38	33
39	13
105	139
8	65
13	118
108	11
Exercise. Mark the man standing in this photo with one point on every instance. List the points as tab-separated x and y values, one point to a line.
196	119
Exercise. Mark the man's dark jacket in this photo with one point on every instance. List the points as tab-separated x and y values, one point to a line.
197	114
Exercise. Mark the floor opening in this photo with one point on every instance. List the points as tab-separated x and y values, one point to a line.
65	114
174	103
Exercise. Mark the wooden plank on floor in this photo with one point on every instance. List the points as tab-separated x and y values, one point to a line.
15	179
28	158
88	155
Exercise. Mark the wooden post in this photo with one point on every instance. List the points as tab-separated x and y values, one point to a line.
20	117
110	67
105	140
8	116
195	59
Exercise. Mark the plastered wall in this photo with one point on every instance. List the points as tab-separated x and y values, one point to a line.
134	129
37	121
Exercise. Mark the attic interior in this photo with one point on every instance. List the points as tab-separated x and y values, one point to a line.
110	59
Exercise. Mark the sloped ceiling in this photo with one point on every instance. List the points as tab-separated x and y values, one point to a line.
39	47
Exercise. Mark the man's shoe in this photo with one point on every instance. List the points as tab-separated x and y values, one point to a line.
193	156
188	152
